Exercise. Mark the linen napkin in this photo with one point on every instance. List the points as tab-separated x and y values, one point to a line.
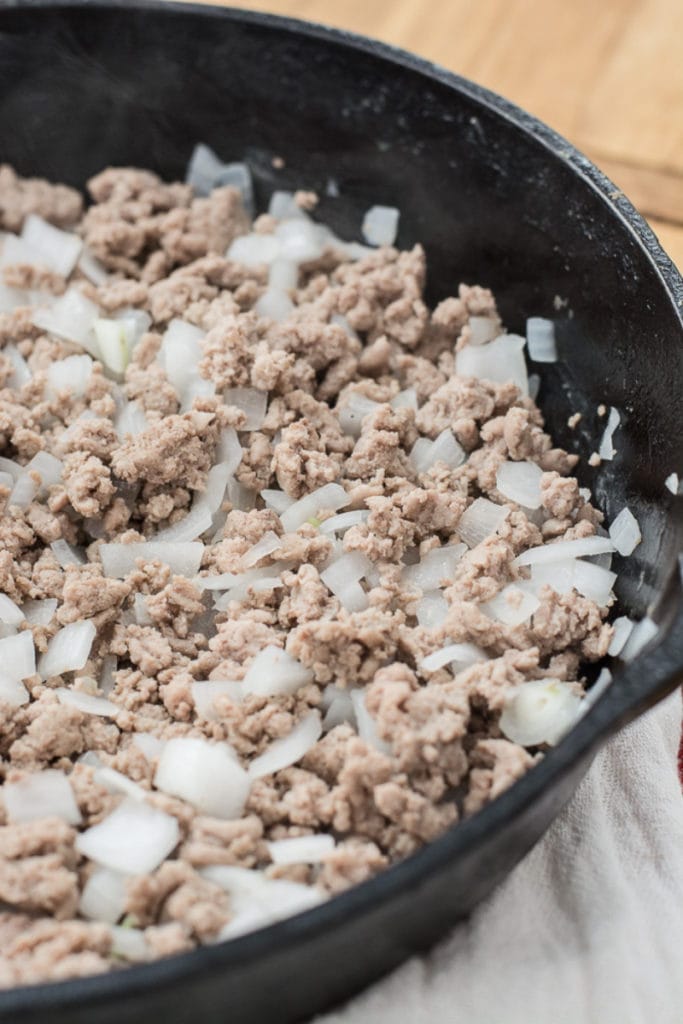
588	929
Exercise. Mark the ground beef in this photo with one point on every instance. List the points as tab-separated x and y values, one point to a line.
192	653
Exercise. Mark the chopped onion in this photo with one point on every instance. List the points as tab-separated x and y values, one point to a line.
179	356
129	944
268	543
66	554
119	559
251	402
560	550
483	329
18	251
150	745
206	171
277	500
283	275
58	250
520	482
207	775
117	782
92	268
11	467
445	448
328	497
204	693
641	635
457	655
540	337
48	468
432	609
300	849
435	569
625	532
258	900
274	304
482	519
12	691
135	838
240	497
10	613
45	794
540	711
70	317
338	523
130	420
354	410
594	582
104	896
275	672
500	361
107	680
39	613
623	627
367	730
68	650
71	374
197	521
6	480
18	656
88	703
342	578
291	748
672	483
254	250
12	298
340	708
512	606
229	451
21	373
300	239
606	451
557	575
283	206
380	225
405	400
113	343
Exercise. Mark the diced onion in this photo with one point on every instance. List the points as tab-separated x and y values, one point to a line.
367	730
540	337
289	749
283	275
229	451
274	304
341	522
520	482
380	225
10	613
207	775
512	606
92	268
130	420
540	711
328	497
135	838
70	317
300	849
39	613
275	672
88	703
18	656
130	944
68	650
277	500
352	413
641	635
482	329
435	569
607	451
623	626
339	709
150	745
206	171
254	250
66	554
71	374
672	483
482	519
432	609
113	343
117	782
283	206
560	550
594	582
45	794
58	250
205	692
500	361
425	453
104	896
257	900
458	655
119	559
342	578
251	402
197	521
405	400
268	543
12	691
300	240
48	468
625	532
21	373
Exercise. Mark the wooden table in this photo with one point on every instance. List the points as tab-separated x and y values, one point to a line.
607	74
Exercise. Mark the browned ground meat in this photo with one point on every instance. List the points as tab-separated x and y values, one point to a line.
342	391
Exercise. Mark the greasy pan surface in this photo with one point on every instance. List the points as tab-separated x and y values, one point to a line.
496	199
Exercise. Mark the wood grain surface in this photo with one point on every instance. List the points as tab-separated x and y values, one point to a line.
608	74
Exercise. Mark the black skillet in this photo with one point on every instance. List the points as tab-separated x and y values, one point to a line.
496	198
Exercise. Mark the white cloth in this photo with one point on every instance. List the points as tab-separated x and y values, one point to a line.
588	929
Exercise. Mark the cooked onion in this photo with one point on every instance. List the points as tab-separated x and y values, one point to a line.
119	559
480	520
432	609
425	453
39	613
130	420
66	554
68	650
104	896
607	450
482	329
342	578
367	730
251	402
71	374
300	849
540	711
593	581
625	532
540	337
44	794
12	691
354	410
520	482
457	655
380	225
623	627
277	500
70	317
275	672
88	703
338	523
197	521
329	497
405	400
274	304
10	613
560	550
268	543
57	250
204	693
512	606
18	656
435	569
291	748
500	361
672	483
207	775
135	838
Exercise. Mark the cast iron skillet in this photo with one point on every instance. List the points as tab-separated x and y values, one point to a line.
497	198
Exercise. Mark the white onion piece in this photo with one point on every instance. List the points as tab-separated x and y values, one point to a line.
107	680
625	532
352	413
328	497
607	451
11	467
251	402
182	559
283	275
229	451
58	250
405	400
274	304
367	730
104	896
117	782
300	239
12	298
10	613
135	838
520	482
431	610
641	635
435	569
12	691
179	356
205	692
197	521
601	684
289	749
88	703
457	655
92	268
130	420
275	672
18	656
341	522
500	361
66	554
380	225
561	550
6	480
623	627
39	613
21	373
71	374
113	344
240	497
48	468
206	171
44	794
557	575
671	483
258	900
540	337
277	500
254	250
129	944
68	650
482	329
594	582
142	616
23	491
149	744
268	543
283	206
207	775
340	709
446	449
70	317
482	519
300	849
512	606
17	251
349	568
540	711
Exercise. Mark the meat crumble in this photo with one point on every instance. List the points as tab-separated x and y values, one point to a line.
267	603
